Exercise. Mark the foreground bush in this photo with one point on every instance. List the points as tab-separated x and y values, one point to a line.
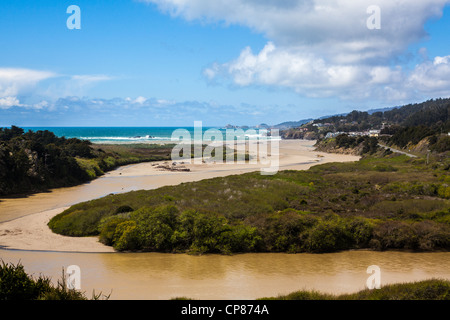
16	284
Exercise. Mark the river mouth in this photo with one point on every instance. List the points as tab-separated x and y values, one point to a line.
160	276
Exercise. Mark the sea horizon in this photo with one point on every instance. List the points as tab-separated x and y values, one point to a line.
128	134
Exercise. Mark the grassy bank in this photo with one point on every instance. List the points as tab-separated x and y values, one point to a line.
107	157
433	289
380	203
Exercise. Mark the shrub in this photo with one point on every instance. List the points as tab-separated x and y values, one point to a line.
155	227
124	209
334	233
283	230
385	168
393	235
126	237
442	144
322	238
246	239
444	191
210	234
431	235
108	227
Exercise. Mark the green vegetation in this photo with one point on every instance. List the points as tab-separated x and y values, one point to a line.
420	129
16	284
107	157
39	160
433	289
402	126
380	202
359	145
36	161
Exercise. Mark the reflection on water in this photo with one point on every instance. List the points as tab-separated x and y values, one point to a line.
246	276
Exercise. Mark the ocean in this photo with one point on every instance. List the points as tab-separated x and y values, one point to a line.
131	134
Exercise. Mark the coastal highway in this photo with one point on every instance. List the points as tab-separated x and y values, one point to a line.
397	151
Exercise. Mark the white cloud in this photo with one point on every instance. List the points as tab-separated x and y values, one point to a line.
16	80
336	29
90	79
17	84
41	105
73	85
432	76
139	100
312	76
8	102
322	47
304	73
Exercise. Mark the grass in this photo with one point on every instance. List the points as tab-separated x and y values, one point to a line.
433	289
110	156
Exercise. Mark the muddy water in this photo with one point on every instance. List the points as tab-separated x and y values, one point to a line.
111	182
247	276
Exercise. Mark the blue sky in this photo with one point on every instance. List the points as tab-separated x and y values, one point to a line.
170	63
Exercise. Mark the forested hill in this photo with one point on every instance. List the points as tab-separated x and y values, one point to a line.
432	115
32	161
426	113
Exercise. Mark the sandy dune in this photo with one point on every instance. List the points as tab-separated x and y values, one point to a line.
24	220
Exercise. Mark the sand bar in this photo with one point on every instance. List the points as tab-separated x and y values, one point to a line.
23	221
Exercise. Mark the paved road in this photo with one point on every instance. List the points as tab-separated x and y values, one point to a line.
397	151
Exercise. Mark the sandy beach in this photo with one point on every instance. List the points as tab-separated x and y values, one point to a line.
23	221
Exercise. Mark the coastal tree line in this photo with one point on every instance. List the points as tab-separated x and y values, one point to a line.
31	161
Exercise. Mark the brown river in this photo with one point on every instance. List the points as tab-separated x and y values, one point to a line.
165	276
247	276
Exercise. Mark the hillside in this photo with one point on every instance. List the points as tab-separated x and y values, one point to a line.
433	114
420	129
291	124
